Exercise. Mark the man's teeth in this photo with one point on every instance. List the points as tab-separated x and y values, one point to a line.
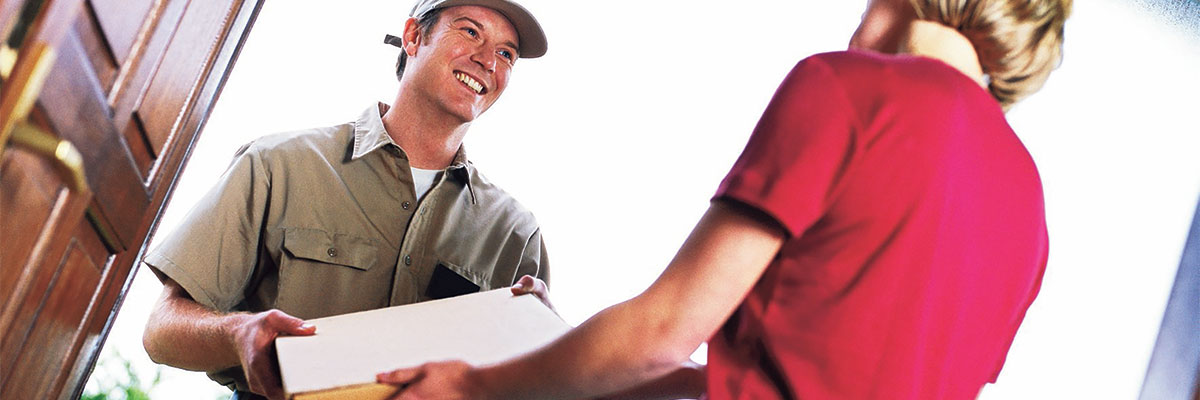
476	86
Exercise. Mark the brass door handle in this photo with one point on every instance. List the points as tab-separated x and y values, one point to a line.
66	157
23	86
18	101
8	60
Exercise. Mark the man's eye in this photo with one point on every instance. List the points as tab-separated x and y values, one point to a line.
471	31
506	54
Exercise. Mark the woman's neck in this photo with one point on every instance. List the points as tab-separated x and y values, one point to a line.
940	42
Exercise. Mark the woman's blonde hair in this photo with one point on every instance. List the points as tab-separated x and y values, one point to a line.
1018	41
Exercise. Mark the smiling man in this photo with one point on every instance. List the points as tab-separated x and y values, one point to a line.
382	211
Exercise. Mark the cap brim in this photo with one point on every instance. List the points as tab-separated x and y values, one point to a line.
532	40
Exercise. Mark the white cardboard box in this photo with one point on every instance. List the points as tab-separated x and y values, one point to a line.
341	360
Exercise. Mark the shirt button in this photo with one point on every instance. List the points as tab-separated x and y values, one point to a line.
405	205
332	252
407	260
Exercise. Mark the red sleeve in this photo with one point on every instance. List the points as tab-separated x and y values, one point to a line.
798	151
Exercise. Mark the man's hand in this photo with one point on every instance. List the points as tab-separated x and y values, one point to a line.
530	285
254	339
450	380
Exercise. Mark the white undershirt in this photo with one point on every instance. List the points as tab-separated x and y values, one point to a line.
423	180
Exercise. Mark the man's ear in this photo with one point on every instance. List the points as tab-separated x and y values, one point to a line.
412	36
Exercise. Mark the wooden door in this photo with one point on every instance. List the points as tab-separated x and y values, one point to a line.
100	103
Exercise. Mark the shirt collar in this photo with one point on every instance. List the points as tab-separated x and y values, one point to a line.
369	135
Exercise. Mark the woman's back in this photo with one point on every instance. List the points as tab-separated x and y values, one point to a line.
916	236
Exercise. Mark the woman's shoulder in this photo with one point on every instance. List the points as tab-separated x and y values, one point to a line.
869	65
869	74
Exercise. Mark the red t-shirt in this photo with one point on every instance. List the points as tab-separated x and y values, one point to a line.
916	236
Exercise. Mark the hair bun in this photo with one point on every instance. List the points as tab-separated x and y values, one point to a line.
1018	41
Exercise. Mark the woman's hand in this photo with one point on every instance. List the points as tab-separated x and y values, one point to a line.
449	380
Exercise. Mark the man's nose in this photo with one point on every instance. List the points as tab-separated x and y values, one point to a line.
485	58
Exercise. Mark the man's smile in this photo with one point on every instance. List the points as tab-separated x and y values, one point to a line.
470	82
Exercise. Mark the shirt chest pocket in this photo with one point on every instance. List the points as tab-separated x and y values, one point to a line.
330	248
450	280
323	273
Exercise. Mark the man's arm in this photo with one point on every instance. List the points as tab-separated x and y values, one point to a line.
185	334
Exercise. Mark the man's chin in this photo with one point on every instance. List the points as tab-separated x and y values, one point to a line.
467	118
464	115
470	115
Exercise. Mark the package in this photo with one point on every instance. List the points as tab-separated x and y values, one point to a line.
342	359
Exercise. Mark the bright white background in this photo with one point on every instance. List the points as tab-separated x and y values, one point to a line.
619	135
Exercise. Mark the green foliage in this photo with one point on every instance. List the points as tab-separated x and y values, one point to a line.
115	379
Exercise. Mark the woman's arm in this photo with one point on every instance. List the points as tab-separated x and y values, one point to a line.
688	381
635	341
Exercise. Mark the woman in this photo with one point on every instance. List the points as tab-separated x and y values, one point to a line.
881	236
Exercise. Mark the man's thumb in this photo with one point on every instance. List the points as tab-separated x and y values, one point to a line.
289	325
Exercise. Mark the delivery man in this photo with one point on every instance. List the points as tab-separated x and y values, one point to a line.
381	211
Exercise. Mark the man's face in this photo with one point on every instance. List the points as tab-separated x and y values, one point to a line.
463	63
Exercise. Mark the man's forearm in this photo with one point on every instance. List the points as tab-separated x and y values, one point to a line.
185	334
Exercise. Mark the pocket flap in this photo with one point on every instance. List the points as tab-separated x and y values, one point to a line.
333	248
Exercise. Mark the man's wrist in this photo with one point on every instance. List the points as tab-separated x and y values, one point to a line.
232	327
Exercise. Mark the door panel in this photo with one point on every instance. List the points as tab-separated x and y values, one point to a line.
139	147
66	300
34	276
182	67
120	21
128	93
28	175
103	62
75	104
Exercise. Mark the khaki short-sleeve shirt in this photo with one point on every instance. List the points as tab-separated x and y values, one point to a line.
325	221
